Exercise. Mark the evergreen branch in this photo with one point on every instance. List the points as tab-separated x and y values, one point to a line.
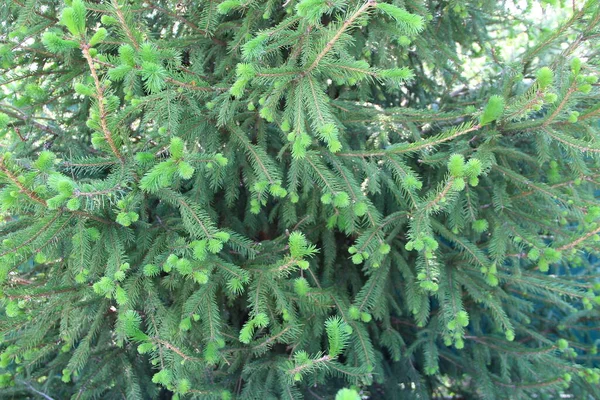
276	74
364	343
353	69
98	367
376	229
175	349
34	390
435	141
572	142
272	339
557	185
541	188
28	192
572	89
100	99
213	181
576	242
90	164
47	292
186	21
589	114
425	208
250	149
408	116
476	254
531	385
502	346
6	79
374	284
522	109
196	218
192	86
544	285
124	25
351	187
92	216
416	146
27	119
320	174
317	102
342	311
346	25
405	172
52	19
556	33
309	365
34	236
229	270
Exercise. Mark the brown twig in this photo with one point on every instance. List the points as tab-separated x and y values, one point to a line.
85	48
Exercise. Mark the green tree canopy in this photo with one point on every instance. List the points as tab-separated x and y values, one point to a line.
299	199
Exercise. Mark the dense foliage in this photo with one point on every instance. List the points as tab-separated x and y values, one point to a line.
255	199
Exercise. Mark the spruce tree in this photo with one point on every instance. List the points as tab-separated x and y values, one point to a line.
301	199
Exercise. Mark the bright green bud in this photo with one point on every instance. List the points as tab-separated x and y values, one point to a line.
40	258
534	254
108	20
341	200
301	286
99	36
585	88
119	276
357	259
354	313
480	225
254	206
493	110
456	165
419	245
492	280
145	348
573	117
360	209
550	98
365	317
404	41
545	77
200	277
326	198
576	65
384	248
185	324
562	344
83	90
459	184
222	236
473	168
199	247
176	147
222	161
123	219
74	204
185	170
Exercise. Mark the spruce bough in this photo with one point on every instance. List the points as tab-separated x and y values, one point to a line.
311	199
